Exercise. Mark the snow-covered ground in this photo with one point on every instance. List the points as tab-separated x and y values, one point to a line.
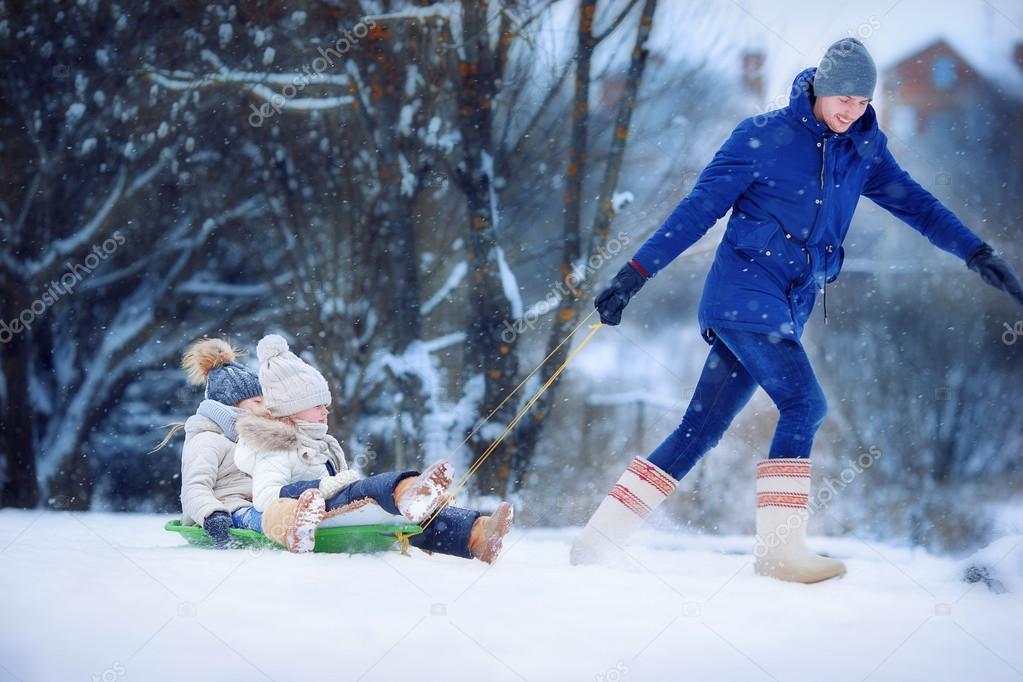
103	596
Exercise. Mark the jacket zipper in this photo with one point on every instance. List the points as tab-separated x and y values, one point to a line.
824	147
827	250
820	203
820	200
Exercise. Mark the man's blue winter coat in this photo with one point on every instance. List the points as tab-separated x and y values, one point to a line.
792	185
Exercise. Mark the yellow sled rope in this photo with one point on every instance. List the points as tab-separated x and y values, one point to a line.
403	537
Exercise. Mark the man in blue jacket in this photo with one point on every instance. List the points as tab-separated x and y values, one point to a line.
792	178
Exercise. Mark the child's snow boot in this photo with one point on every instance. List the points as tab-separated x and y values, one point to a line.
488	533
293	523
783	489
417	498
638	492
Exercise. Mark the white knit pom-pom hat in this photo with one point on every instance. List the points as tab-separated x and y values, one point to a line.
289	384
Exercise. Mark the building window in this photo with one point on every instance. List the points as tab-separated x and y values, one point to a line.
903	120
943	73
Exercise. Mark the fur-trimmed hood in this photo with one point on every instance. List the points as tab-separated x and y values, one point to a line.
266	433
258	435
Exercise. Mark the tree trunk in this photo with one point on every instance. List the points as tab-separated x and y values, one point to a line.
566	314
20	487
490	309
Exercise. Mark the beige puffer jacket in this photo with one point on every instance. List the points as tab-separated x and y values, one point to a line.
210	480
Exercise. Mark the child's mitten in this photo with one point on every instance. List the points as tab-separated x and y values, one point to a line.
216	526
332	485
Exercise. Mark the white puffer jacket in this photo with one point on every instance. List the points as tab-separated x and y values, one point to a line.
270	451
210	480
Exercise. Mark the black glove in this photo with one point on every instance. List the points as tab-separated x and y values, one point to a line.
612	301
216	526
995	271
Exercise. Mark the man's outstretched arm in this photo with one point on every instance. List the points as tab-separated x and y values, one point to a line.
892	188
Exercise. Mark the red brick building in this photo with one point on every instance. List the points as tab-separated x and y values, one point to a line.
937	90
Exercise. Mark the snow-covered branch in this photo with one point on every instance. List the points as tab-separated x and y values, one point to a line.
440	10
442	342
509	284
257	84
64	247
450	13
455	278
146	176
206	287
129	322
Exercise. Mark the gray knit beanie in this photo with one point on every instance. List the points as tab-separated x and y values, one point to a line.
289	384
845	69
232	383
212	363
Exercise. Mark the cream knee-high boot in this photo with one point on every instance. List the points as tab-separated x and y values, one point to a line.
783	490
641	488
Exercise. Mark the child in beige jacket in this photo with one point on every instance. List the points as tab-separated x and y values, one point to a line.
214	492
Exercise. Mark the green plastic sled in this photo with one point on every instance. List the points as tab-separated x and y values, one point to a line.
335	540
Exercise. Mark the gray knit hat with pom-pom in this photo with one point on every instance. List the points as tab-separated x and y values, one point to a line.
211	362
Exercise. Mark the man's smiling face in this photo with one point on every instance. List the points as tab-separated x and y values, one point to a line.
838	112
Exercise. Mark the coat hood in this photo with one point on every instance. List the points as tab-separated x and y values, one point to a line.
266	433
864	130
258	435
262	434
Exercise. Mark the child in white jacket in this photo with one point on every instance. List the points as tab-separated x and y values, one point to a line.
299	473
214	492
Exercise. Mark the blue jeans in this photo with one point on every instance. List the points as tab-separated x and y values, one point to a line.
448	533
247	517
379	488
738	362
